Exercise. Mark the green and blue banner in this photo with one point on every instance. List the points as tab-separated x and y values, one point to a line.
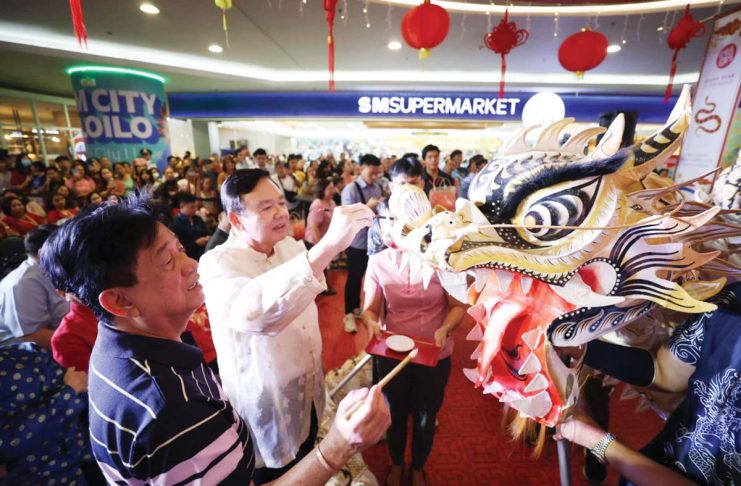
121	111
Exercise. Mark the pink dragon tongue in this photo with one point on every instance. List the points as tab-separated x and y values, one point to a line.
499	318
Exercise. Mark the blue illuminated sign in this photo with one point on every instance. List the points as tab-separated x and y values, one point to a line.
403	105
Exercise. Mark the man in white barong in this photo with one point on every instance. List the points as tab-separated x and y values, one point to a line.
260	287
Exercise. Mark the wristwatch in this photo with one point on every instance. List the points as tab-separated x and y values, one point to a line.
601	447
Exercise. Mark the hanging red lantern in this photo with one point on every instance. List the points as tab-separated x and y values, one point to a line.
678	39
502	39
582	51
329	7
78	21
424	27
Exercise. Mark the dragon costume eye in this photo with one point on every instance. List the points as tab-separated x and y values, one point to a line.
546	212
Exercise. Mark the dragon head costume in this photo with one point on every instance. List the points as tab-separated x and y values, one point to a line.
556	248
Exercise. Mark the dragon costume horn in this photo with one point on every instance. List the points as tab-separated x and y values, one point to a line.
652	151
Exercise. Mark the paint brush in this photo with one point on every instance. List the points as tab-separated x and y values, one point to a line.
386	379
390	218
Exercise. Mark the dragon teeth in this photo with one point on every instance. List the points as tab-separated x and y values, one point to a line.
532	338
415	265
537	406
427	273
471	374
476	334
493	388
526	283
505	279
531	365
481	277
538	383
404	262
455	284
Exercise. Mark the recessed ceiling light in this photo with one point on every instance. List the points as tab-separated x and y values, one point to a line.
659	29
148	8
215	48
614	48
394	45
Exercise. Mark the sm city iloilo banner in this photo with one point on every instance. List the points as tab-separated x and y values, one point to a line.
122	111
707	143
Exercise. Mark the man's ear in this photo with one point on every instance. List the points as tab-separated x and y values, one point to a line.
234	220
116	302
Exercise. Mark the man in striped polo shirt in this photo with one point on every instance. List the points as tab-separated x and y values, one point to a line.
157	414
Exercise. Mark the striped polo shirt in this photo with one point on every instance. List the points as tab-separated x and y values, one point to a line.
158	415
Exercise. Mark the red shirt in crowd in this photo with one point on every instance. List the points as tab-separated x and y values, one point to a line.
24	224
73	340
200	328
55	215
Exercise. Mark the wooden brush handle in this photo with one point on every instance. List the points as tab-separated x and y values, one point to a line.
386	379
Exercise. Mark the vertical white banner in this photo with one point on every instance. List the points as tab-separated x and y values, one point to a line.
715	100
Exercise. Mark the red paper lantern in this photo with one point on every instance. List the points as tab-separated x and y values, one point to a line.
424	27
583	51
678	39
502	39
330	7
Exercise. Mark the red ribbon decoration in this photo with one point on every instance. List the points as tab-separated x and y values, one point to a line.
78	22
502	39
329	7
678	39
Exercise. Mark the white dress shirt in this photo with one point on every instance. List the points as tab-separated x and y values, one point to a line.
265	327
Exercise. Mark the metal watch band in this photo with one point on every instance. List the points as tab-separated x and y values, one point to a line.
601	447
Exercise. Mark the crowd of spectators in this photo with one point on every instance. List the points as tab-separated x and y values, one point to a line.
56	332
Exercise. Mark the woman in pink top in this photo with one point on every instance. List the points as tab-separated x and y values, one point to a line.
317	222
80	183
428	315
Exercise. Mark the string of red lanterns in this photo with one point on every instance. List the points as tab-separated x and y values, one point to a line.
427	25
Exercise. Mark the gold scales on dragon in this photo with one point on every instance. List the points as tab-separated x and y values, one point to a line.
556	248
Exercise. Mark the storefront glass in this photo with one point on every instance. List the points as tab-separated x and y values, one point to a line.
41	126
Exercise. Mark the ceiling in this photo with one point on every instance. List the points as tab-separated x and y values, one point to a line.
281	45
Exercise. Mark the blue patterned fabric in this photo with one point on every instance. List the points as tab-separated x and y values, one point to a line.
42	440
702	438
